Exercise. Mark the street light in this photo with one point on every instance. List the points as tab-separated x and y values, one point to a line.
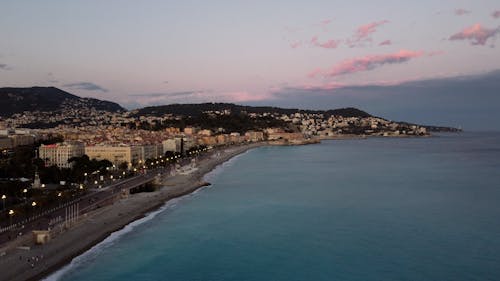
33	204
11	214
3	198
25	191
59	194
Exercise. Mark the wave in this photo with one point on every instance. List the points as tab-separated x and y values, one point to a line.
109	241
93	252
212	175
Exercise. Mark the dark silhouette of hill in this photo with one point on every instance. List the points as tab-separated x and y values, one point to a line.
46	99
196	110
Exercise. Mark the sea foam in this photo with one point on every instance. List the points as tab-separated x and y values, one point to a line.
93	252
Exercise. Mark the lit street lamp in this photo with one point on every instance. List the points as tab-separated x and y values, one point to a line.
59	194
11	214
33	204
24	194
3	199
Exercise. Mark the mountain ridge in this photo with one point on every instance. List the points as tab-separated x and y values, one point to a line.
197	109
15	100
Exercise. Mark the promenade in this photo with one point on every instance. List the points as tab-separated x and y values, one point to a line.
32	262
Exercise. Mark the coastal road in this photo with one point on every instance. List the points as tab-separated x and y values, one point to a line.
94	199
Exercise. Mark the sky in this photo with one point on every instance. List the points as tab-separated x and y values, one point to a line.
397	59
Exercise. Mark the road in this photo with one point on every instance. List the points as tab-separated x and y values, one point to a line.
95	198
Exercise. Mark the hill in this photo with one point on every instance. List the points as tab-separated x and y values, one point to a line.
47	99
197	110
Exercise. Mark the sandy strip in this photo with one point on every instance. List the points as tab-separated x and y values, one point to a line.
99	224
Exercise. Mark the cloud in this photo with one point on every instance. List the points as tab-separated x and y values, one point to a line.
496	14
194	96
471	101
150	99
385	43
367	63
319	87
476	34
435	53
367	29
330	44
295	45
363	33
173	94
461	12
325	21
87	86
4	66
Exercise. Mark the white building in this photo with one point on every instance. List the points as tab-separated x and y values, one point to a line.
58	154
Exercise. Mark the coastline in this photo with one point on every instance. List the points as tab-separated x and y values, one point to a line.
97	225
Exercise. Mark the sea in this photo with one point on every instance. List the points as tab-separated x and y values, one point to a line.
360	209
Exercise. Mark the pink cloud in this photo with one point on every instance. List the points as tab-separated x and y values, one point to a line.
295	45
385	43
365	30
476	34
325	22
461	12
244	96
315	72
496	14
330	44
435	53
327	86
367	63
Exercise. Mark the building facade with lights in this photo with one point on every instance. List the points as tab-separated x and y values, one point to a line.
58	154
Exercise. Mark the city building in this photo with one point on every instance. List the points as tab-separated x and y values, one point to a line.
58	154
173	145
116	154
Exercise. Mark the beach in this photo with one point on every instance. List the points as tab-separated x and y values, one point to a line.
40	260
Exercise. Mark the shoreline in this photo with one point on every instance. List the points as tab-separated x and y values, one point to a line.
98	225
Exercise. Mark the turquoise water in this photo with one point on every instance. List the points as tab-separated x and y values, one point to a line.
375	209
